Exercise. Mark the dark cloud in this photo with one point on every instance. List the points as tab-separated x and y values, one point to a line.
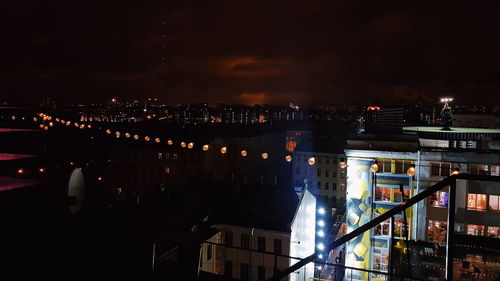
244	51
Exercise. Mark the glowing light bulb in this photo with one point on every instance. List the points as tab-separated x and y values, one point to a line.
244	153
311	161
223	150
288	158
265	155
321	211
205	147
190	145
157	140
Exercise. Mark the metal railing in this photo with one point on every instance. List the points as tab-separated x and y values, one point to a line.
449	181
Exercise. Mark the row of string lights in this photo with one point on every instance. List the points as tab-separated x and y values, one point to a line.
48	121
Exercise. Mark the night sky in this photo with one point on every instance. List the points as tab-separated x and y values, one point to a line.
307	52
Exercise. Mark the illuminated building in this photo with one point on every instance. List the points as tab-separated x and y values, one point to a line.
415	160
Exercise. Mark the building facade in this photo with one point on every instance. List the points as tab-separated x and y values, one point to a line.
245	253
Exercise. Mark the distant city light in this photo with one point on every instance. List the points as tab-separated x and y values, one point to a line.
244	153
82	126
51	124
117	134
223	150
147	138
99	178
69	123
35	119
13	117
190	145
183	144
446	99
265	155
20	171
108	131
157	140
170	142
127	135
41	170
205	147
136	137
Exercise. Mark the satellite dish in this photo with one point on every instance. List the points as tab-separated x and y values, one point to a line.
76	190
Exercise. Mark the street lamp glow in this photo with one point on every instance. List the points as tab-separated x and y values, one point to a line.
446	99
321	223
320	256
320	246
321	211
321	233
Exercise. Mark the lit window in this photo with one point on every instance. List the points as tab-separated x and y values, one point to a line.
167	170
495	171
382	194
476	201
159	155
382	229
493	232
439	199
436	231
398	196
494	203
475	230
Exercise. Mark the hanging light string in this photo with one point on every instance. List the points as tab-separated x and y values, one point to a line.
47	121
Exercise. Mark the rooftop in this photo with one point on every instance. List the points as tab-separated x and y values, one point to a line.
453	130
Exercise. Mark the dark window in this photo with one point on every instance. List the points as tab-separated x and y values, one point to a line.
327	173
277	246
228	240
209	252
261	243
245	241
244	272
319	185
297	171
261	273
318	172
327	160
326	185
435	169
334	186
228	268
